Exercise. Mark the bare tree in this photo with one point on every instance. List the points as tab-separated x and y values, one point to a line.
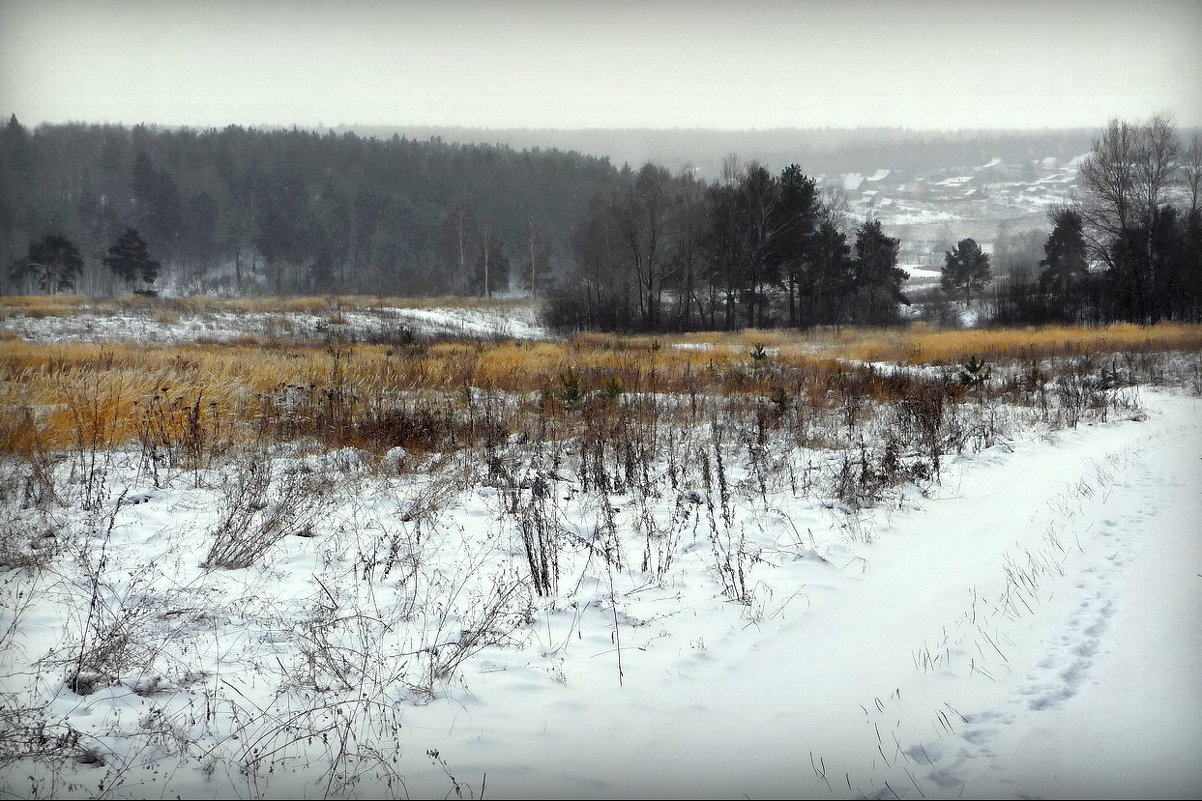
688	224
762	226
459	237
1156	150
1108	182
1124	182
837	210
538	264
643	215
732	169
1191	168
492	265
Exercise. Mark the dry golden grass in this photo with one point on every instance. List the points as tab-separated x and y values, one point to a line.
103	395
920	345
42	305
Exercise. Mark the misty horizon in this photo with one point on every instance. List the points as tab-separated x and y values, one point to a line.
357	127
827	150
767	65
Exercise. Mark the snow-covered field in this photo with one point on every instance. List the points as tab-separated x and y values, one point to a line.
542	621
182	327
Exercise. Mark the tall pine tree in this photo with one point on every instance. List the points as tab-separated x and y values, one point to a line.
965	270
878	278
54	261
129	259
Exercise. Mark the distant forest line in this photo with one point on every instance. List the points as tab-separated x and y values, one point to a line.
240	211
245	211
386	210
820	151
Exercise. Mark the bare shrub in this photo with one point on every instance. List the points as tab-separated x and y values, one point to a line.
531	504
261	505
341	647
662	539
29	538
119	636
489	619
184	429
32	733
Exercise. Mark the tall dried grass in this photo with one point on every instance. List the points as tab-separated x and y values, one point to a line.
42	387
921	345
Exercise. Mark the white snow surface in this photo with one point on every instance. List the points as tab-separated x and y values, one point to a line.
920	274
171	327
1030	626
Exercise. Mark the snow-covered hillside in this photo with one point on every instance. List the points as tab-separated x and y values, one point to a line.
168	325
305	623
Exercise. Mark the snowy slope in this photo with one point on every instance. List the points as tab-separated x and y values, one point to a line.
1027	628
182	327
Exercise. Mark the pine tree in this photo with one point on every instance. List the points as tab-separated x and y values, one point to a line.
1192	265
878	279
833	277
54	260
1064	263
798	215
966	270
156	204
129	259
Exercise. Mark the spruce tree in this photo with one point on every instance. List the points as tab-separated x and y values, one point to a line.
129	259
878	279
966	270
1064	263
54	260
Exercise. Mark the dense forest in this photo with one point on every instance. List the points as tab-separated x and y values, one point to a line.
103	209
241	211
1129	247
823	151
756	249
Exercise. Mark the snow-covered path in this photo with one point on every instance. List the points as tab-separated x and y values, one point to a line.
1114	709
1032	631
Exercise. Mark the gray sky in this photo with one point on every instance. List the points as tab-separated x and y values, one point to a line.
735	64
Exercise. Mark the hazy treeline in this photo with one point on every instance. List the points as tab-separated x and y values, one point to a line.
658	252
1129	248
98	208
823	151
240	211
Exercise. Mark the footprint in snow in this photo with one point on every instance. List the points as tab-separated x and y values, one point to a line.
1052	698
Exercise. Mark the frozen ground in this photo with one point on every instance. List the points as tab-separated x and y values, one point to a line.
177	327
1031	626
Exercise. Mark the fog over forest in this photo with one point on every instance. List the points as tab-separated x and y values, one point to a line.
851	238
819	150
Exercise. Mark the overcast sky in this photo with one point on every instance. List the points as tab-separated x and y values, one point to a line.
734	64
